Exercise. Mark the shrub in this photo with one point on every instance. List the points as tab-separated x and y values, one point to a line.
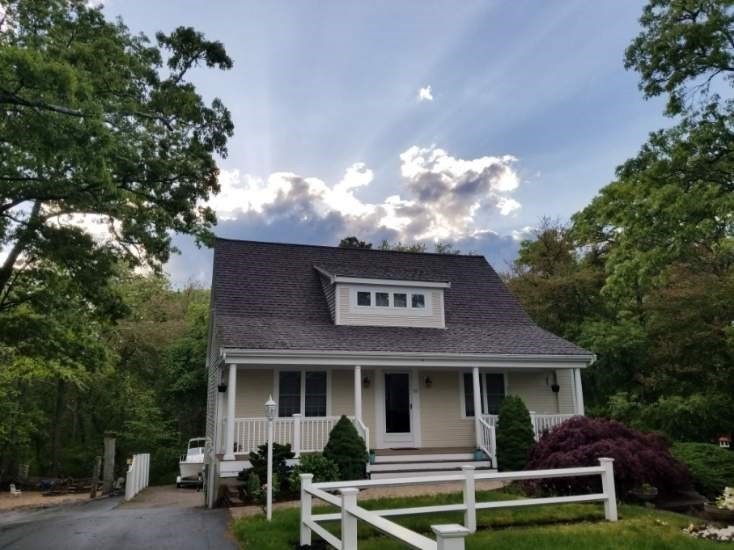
259	461
711	467
347	450
514	434
638	457
322	468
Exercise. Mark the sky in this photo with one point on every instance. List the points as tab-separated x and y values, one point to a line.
411	121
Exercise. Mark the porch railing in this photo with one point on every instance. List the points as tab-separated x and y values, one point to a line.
541	422
488	441
305	434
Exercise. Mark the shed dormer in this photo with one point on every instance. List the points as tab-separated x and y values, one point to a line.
384	302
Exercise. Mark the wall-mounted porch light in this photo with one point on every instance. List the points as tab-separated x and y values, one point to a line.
366	381
428	382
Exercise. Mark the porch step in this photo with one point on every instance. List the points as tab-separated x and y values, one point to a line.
433	466
442	457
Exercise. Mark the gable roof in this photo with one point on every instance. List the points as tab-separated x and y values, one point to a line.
271	296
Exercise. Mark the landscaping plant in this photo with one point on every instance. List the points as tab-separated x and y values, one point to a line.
639	458
515	435
347	450
259	461
322	468
711	467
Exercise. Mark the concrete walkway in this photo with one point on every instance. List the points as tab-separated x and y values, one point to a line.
161	518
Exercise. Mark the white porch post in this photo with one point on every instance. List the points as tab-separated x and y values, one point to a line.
477	405
579	391
231	393
358	392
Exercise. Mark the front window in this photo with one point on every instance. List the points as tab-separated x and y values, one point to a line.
304	394
492	392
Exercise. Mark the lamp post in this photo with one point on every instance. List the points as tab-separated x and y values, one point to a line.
270	409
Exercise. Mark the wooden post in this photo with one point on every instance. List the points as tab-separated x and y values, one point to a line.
96	468
450	537
231	396
607	484
306	480
108	475
477	406
579	392
358	392
349	522
470	516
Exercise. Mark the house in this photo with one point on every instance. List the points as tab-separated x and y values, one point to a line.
417	349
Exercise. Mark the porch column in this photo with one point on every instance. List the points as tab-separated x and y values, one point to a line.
358	392
231	394
579	391
477	405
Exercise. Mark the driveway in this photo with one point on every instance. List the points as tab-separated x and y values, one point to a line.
158	518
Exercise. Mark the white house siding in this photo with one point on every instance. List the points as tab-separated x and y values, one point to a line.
440	405
396	319
253	388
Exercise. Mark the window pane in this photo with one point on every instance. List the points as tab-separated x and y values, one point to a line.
418	300
399	299
364	299
289	393
315	394
382	299
495	391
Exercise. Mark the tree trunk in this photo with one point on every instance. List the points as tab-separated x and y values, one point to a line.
56	429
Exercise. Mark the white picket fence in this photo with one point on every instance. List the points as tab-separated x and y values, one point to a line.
448	537
137	475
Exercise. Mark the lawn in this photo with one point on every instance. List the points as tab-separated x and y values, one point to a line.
567	527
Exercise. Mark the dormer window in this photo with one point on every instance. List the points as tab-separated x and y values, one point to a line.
382	299
364	299
418	300
400	299
378	299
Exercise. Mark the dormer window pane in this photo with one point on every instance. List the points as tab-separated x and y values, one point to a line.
399	299
364	299
418	301
382	299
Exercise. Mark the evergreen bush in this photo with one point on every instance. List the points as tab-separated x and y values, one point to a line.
347	450
515	435
322	468
711	467
259	461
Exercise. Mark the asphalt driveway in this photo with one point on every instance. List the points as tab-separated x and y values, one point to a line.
108	524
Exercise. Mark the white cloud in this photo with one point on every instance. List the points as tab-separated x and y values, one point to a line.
440	196
425	94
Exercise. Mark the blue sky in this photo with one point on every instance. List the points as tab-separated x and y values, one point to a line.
529	112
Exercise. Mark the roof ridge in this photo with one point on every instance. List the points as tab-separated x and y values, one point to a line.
306	245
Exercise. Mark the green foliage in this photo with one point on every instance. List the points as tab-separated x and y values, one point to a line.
69	81
353	242
515	435
253	487
322	468
347	450
259	461
711	467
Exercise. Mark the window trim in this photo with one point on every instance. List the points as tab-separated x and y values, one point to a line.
302	405
483	390
391	309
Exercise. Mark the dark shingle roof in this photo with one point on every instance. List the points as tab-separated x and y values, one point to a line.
270	296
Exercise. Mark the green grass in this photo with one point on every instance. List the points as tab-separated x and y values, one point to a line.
567	527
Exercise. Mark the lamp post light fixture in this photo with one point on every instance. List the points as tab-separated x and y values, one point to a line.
270	409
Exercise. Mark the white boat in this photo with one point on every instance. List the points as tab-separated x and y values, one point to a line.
191	465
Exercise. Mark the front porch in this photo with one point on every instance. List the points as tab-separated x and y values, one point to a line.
415	411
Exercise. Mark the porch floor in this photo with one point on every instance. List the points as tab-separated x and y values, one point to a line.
424	451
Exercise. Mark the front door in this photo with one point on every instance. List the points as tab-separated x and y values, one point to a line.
398	410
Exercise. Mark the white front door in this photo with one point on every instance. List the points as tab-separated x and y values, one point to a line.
398	418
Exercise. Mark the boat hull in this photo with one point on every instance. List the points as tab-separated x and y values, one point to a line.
190	469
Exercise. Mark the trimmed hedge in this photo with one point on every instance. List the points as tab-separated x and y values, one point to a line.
711	467
347	449
639	457
515	435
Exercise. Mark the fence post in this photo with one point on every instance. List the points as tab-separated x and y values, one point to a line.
297	434
450	537
607	484
349	522
470	499
306	480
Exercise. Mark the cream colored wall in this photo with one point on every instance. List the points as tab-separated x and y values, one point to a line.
253	388
347	317
440	407
535	390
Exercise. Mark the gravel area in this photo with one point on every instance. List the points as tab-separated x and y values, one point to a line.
166	496
377	492
34	499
